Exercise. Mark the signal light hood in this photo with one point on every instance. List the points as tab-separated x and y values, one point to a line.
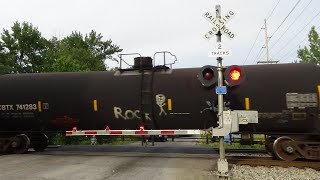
208	75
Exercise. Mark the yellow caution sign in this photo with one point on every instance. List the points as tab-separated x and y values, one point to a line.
169	104
39	106
247	103
95	105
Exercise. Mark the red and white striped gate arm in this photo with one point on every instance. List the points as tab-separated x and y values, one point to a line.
134	132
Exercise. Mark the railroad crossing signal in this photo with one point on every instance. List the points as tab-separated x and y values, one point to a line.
219	24
206	76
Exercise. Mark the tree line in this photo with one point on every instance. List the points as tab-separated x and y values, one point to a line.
311	54
23	49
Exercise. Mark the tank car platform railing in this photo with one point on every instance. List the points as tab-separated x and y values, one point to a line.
164	58
122	60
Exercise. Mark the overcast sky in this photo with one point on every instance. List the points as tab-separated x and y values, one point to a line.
178	26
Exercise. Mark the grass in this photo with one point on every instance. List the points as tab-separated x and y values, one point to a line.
234	145
259	138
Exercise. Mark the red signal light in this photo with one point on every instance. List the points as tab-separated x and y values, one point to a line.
74	128
234	75
107	128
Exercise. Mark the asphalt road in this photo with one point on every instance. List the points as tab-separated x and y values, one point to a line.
182	161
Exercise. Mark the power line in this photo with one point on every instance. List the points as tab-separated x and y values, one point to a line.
291	50
298	32
273	10
252	46
258	56
260	32
276	42
289	53
294	7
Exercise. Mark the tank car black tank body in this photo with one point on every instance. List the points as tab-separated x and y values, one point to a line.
67	100
285	95
158	98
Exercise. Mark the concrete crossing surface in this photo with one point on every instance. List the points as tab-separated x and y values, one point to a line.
166	160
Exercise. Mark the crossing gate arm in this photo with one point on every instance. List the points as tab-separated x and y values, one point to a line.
134	132
231	121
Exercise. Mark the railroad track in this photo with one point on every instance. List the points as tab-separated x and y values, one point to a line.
269	162
231	150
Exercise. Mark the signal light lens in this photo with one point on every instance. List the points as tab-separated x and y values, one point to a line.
74	128
208	74
107	128
235	74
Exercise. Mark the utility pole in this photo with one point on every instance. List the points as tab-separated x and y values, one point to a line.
267	39
266	46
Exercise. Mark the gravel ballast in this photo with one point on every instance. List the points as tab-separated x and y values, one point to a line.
273	173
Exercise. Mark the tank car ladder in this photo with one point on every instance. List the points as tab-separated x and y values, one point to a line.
146	98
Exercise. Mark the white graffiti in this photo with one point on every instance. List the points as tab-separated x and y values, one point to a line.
160	100
128	114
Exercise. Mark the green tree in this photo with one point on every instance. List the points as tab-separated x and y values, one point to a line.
82	53
4	65
23	49
311	54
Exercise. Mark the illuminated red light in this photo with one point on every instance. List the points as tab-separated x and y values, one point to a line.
74	128
107	128
141	128
235	74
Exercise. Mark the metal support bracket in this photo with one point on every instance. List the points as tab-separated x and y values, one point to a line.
232	119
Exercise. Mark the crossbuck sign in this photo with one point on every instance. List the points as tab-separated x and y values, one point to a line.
219	24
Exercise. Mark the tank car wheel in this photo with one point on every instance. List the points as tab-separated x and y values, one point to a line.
43	143
283	150
20	144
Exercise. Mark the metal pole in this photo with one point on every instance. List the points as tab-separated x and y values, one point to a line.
220	83
222	162
220	106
